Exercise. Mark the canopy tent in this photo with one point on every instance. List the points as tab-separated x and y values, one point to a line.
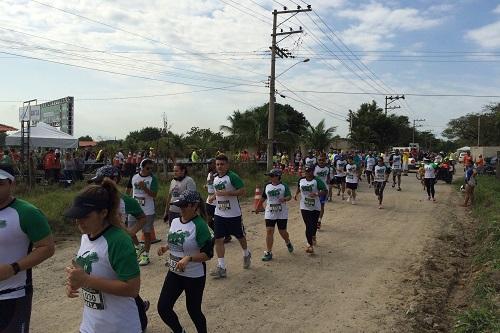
463	149
44	136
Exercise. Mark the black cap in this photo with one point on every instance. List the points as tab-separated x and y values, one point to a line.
83	206
187	197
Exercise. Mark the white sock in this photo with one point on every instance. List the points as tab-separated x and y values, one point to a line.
221	263
246	252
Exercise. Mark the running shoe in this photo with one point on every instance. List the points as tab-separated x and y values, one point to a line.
380	207
394	185
353	202
247	260
138	250
348	199
219	273
144	260
267	256
289	246
429	198
399	188
310	250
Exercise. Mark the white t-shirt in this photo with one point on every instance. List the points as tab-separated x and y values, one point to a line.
430	170
387	160
322	173
370	163
352	173
146	201
186	239
276	210
340	168
379	173
396	162
227	206
310	160
111	255
306	188
177	187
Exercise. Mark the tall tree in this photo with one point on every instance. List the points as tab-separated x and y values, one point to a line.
320	137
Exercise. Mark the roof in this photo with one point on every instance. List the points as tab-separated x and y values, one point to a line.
87	143
6	128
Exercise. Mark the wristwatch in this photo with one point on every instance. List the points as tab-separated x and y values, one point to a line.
15	267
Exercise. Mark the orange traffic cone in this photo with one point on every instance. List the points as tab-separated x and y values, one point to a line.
299	172
257	202
153	237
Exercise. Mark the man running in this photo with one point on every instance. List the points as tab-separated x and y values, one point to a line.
322	171
380	176
144	187
396	165
370	164
310	159
227	219
25	241
340	174
352	177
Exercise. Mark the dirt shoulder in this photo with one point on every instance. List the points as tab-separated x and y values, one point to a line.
363	277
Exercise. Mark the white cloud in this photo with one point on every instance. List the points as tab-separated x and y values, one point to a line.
487	36
497	10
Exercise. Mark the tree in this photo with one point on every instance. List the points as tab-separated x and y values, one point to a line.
85	138
320	137
146	134
205	140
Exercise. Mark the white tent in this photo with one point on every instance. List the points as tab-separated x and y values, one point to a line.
463	149
44	136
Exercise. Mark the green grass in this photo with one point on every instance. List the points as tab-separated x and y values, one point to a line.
483	314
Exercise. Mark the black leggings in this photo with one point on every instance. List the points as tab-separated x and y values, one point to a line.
429	185
379	191
310	218
15	314
173	287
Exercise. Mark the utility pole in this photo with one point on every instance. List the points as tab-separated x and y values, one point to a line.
414	126
478	127
275	50
350	123
392	99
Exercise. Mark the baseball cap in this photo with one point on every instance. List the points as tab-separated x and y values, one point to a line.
274	172
187	197
5	175
105	171
83	206
309	168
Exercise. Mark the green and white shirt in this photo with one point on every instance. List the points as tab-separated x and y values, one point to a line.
276	210
187	239
110	255
129	206
322	173
177	187
227	206
379	173
306	188
146	201
396	162
21	225
351	173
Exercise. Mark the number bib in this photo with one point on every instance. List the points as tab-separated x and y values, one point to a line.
93	299
350	176
309	202
224	205
140	200
275	208
172	263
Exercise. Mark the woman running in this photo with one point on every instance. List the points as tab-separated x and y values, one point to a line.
380	176
276	194
190	244
179	184
370	164
105	269
430	178
322	171
352	177
310	189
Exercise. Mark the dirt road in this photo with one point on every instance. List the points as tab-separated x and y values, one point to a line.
354	282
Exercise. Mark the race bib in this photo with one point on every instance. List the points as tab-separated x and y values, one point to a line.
349	176
140	200
224	205
275	208
309	202
172	263
93	299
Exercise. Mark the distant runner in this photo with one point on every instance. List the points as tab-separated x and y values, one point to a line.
322	171
310	159
340	174
430	177
397	168
352	178
381	174
370	164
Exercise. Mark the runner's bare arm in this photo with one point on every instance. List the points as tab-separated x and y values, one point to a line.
235	193
42	250
141	221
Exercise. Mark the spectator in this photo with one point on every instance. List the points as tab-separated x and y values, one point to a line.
69	167
480	164
49	161
79	165
6	162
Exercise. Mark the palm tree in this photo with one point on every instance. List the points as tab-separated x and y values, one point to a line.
320	137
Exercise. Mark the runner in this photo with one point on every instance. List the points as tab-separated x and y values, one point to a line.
144	187
276	194
380	176
180	183
310	189
396	166
22	227
370	164
430	177
340	174
310	159
322	171
352	176
227	220
105	269
190	244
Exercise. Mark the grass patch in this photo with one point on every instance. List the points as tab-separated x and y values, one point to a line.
483	314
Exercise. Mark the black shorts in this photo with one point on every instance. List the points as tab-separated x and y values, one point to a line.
15	314
368	172
351	186
340	179
281	223
227	226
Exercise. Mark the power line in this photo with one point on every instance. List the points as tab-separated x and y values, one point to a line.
244	12
406	94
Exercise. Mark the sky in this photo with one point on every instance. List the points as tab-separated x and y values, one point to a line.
128	63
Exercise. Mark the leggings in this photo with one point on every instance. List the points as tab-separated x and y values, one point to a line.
173	287
310	218
15	314
429	185
379	190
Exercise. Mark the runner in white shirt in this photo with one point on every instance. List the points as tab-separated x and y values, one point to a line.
322	171
370	164
430	178
397	168
340	174
352	178
276	194
180	183
310	189
380	175
310	159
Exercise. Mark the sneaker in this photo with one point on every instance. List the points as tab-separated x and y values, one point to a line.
267	256
394	185
138	250
380	207
289	246
247	260
353	202
310	250
144	260
399	188
429	198
219	273
348	199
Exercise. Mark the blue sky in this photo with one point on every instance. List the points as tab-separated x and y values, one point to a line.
411	47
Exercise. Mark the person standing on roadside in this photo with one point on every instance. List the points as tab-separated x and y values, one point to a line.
276	194
227	220
430	170
25	242
470	185
310	189
179	184
144	187
396	166
380	175
190	244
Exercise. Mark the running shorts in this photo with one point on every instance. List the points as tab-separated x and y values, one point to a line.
340	179
351	186
368	172
227	226
396	172
148	227
281	223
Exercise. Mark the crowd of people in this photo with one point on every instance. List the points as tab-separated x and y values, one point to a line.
106	269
